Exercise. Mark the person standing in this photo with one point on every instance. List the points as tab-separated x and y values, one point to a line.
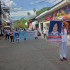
8	31
2	32
5	32
36	33
11	35
44	32
25	36
63	43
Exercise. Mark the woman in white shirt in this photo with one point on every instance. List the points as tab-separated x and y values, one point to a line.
44	32
11	35
63	43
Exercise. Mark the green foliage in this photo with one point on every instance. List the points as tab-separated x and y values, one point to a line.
42	10
16	22
20	23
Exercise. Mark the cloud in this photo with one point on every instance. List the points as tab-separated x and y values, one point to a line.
54	1
21	13
12	3
57	1
40	1
8	2
20	8
37	2
49	1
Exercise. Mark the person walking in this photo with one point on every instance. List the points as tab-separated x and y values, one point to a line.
25	36
7	31
63	43
36	33
44	32
11	35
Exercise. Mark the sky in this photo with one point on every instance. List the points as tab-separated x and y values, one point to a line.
20	8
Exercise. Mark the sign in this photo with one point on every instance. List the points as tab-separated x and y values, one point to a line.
29	34
60	15
54	34
16	35
25	34
48	18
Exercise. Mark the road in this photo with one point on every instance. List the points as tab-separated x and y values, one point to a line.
32	55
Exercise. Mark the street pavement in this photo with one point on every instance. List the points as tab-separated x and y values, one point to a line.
32	54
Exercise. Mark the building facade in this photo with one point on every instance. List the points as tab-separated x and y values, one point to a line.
4	16
0	15
60	11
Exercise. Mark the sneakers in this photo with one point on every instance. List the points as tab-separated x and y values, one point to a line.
61	59
65	58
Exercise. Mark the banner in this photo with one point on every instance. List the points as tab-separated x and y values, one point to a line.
25	34
62	13
16	35
29	34
48	17
54	34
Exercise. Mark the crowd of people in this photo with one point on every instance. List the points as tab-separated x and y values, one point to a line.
9	33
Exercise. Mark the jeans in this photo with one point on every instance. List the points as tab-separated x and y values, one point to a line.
12	38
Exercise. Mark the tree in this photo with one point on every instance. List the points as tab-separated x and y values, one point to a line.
16	23
20	23
42	10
